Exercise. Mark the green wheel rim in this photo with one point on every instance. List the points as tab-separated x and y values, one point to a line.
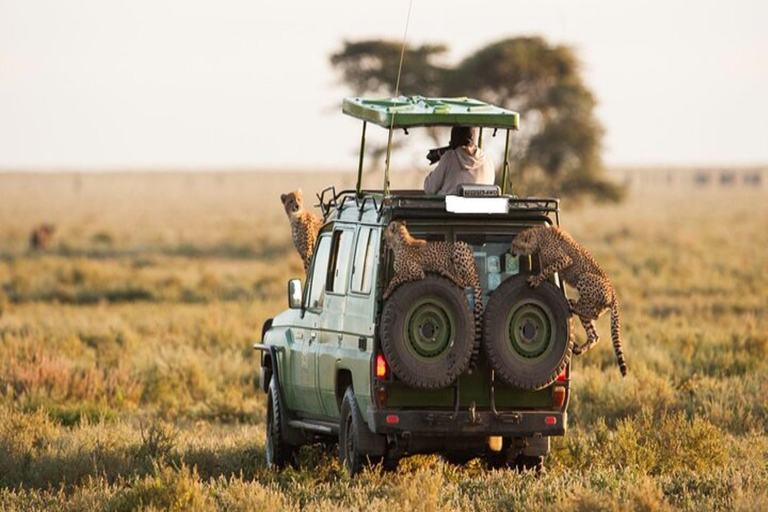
429	329
530	331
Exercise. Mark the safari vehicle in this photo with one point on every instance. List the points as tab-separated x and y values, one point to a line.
324	362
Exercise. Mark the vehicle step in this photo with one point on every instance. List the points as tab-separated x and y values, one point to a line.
315	426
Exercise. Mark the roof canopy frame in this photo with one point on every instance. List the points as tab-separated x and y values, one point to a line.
405	112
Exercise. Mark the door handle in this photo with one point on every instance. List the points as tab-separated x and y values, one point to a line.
312	337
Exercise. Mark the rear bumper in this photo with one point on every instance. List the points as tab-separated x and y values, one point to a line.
467	424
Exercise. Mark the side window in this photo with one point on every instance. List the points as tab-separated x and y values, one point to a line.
338	270
365	251
319	272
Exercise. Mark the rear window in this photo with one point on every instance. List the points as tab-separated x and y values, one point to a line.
362	271
338	271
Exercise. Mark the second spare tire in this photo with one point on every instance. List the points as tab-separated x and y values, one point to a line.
527	333
428	332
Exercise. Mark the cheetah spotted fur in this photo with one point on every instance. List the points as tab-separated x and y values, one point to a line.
304	225
559	252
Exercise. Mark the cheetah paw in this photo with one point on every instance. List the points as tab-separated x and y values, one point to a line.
534	281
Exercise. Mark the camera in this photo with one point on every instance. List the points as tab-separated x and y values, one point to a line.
435	154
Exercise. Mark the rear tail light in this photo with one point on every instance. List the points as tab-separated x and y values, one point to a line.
381	394
563	375
550	420
558	396
393	419
381	366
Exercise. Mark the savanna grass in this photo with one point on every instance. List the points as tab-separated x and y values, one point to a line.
127	373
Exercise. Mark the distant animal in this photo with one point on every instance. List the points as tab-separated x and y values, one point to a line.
41	237
559	252
414	258
304	225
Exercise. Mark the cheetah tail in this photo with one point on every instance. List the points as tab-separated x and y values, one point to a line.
478	312
615	336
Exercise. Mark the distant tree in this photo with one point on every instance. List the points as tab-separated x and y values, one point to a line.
558	149
371	67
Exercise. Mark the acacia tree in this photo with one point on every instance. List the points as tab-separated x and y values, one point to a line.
558	149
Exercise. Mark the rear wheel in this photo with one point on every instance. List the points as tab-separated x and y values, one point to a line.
358	446
527	333
501	460
529	463
427	332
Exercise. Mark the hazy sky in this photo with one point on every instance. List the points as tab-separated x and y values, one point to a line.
199	83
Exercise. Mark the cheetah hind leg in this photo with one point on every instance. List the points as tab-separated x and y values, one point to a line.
592	337
448	275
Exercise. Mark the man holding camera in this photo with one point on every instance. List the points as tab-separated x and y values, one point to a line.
462	162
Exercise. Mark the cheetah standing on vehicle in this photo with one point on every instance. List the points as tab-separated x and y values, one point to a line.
454	260
304	225
559	252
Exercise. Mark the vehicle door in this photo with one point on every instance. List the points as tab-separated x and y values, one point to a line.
304	398
359	319
334	311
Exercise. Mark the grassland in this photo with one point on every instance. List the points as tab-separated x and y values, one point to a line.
126	374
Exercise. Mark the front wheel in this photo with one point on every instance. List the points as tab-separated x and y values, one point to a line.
278	451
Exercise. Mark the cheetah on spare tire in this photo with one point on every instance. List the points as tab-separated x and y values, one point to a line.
414	259
304	225
559	252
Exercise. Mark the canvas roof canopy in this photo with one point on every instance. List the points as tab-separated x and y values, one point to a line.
412	111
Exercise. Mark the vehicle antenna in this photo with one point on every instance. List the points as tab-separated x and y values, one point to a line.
397	93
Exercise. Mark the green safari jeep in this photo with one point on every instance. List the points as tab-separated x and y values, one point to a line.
323	363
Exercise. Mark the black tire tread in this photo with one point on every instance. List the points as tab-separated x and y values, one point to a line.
388	319
282	450
504	373
366	441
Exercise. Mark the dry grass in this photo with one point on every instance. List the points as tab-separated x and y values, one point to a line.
126	374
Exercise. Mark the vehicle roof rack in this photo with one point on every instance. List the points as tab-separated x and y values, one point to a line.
417	203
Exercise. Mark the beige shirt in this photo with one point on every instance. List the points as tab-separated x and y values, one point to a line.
457	167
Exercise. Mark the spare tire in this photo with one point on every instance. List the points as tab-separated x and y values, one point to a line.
528	333
428	332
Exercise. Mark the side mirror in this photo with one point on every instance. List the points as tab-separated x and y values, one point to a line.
294	294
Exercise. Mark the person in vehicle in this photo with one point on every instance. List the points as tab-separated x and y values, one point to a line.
462	163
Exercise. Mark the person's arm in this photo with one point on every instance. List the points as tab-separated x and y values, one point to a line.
434	180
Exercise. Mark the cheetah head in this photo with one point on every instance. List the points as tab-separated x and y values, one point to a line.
526	242
395	232
292	202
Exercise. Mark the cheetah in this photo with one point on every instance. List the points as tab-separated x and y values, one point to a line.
304	225
454	260
559	252
41	237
